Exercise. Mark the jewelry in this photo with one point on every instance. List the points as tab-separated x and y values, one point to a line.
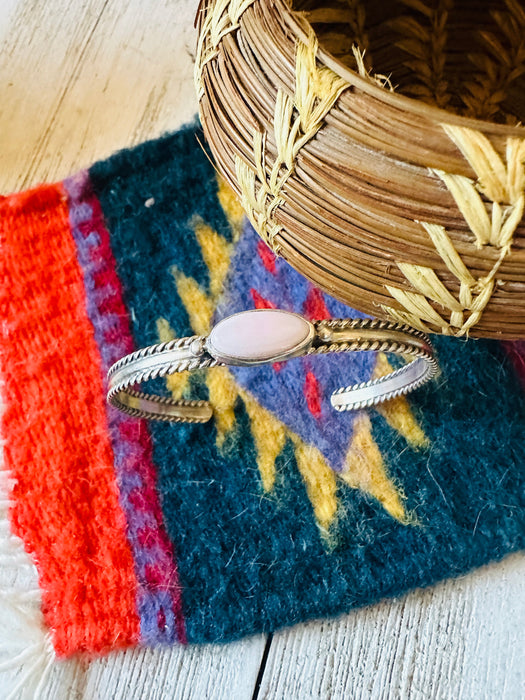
263	336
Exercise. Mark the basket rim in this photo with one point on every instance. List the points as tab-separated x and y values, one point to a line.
391	97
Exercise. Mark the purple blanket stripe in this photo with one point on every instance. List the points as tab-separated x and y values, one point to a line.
159	595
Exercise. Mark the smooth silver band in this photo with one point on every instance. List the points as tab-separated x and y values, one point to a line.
337	335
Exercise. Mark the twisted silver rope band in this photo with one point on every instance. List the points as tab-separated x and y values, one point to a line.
337	335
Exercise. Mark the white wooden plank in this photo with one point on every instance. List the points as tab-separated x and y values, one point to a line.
8	8
209	672
81	81
460	639
42	44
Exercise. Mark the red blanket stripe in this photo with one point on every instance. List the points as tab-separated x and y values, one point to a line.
65	499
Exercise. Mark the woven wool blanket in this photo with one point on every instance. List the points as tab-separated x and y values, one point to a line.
277	511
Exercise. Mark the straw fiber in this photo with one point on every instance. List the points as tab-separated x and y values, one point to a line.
378	148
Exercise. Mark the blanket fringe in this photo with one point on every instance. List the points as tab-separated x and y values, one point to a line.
26	649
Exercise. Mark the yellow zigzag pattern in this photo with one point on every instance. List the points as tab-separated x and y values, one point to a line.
364	466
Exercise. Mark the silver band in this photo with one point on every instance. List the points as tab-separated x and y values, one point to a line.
338	335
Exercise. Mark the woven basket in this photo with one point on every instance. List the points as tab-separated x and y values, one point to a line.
377	147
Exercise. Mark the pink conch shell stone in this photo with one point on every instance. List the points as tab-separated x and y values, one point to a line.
259	336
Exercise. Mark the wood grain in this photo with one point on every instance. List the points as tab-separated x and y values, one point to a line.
77	82
459	639
191	673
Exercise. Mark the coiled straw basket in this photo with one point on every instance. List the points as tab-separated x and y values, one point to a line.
377	147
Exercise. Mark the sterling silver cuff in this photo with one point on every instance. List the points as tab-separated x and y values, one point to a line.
263	336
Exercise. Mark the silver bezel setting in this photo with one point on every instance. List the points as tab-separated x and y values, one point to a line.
296	350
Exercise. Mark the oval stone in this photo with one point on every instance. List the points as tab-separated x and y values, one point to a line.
259	336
